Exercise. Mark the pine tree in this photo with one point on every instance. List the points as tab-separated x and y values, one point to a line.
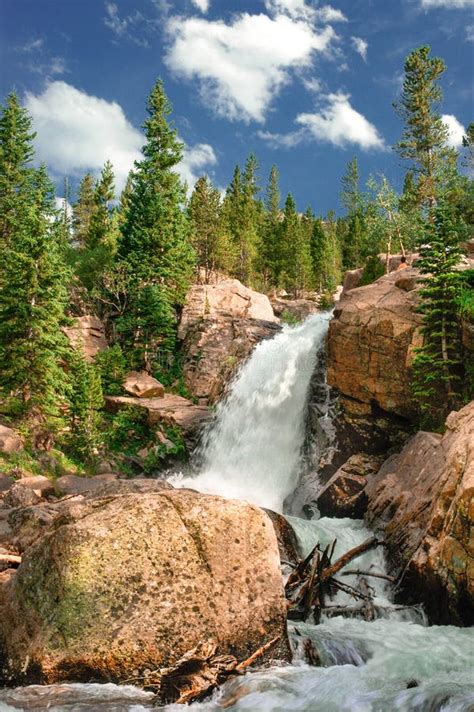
83	211
249	223
268	254
295	269
350	196
33	279
208	240
101	219
437	366
425	136
154	252
317	250
85	403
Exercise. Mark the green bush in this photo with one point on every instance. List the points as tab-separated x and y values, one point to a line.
288	317
373	269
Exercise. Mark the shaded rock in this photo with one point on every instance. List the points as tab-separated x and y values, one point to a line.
423	501
5	483
28	524
136	583
19	496
10	441
287	540
88	334
142	385
220	325
74	484
344	494
371	345
352	279
169	410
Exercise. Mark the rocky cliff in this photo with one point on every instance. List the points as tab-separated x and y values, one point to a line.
219	327
423	501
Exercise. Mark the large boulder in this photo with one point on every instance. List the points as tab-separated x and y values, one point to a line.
344	494
297	309
134	581
219	327
10	441
88	334
142	385
423	500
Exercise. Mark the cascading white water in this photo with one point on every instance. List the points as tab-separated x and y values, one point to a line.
253	450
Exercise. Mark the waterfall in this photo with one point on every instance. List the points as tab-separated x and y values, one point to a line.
253	449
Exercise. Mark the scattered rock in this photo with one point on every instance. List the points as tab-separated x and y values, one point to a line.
74	484
40	484
344	495
220	325
5	482
88	334
423	499
142	385
10	441
137	581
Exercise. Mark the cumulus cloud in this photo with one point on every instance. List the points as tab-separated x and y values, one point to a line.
337	123
360	46
243	65
202	5
293	8
340	124
77	132
449	4
456	130
196	159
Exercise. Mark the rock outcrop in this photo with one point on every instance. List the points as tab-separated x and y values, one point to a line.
130	581
423	500
219	327
298	309
171	409
88	334
371	345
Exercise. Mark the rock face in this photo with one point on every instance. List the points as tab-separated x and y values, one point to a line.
135	580
344	494
423	500
142	385
171	409
87	333
220	325
299	309
371	341
10	441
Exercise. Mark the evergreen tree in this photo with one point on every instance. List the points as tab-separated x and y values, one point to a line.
424	140
295	265
350	196
207	237
155	254
33	279
85	403
250	222
100	227
437	365
83	211
268	257
318	250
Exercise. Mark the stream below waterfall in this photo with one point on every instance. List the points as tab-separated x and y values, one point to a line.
253	451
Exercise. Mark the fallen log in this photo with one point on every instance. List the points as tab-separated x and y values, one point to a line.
197	674
349	555
357	572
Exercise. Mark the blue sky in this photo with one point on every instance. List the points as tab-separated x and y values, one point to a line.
305	85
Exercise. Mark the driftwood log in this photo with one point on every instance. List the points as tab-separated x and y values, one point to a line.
313	581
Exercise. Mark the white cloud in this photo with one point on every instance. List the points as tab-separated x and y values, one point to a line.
77	132
456	130
360	46
449	4
195	160
470	33
330	14
293	8
340	124
31	45
126	27
202	5
243	65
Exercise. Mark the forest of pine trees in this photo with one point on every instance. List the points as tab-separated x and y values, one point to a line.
130	258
